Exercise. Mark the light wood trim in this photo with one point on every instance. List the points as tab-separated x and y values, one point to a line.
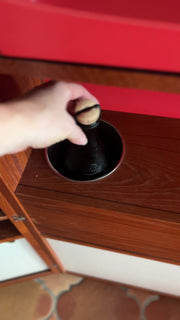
25	278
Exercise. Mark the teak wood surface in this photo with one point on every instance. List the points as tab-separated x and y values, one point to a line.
12	86
135	210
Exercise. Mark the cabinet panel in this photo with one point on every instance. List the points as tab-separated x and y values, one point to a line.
18	259
149	174
104	224
135	210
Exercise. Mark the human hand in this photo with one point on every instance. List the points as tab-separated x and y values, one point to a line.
53	122
42	117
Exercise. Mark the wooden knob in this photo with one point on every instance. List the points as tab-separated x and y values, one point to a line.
87	112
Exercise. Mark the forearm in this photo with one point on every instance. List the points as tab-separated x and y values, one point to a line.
15	127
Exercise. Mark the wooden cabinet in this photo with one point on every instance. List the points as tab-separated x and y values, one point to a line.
14	221
131	215
128	221
133	210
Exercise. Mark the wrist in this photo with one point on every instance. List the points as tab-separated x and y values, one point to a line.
16	127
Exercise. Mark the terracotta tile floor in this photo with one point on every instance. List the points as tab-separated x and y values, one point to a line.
66	297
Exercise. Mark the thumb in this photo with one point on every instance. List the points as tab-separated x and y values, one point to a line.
77	136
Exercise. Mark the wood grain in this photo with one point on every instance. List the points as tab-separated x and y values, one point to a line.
135	210
149	175
104	224
12	166
13	86
13	209
91	74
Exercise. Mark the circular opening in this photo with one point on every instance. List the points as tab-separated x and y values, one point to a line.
57	155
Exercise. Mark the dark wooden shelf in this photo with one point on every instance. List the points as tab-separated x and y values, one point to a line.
8	232
135	210
3	216
128	78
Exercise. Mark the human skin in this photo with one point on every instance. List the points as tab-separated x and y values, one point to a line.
41	118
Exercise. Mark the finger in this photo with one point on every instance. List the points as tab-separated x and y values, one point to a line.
77	136
79	92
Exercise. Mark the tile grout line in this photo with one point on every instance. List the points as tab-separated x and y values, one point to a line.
61	293
54	300
142	307
70	287
147	302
